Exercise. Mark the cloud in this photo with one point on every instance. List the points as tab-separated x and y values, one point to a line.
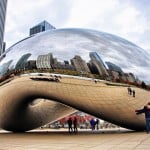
123	18
22	15
85	14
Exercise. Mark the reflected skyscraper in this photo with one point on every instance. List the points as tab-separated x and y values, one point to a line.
98	63
79	64
22	61
45	61
114	67
5	68
3	4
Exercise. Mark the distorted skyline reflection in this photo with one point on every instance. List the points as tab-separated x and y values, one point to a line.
72	49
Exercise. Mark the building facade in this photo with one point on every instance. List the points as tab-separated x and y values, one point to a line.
43	26
98	63
22	61
113	67
3	4
44	61
80	65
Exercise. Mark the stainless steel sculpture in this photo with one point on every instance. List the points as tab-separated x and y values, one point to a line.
51	74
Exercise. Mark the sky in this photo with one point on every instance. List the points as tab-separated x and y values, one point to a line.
128	19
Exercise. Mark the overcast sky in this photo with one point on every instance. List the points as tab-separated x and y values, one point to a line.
129	19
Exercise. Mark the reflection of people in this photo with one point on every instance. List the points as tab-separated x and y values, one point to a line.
97	124
75	125
86	124
92	123
70	125
129	91
133	92
145	110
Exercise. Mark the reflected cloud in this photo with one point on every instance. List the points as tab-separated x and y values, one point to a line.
65	44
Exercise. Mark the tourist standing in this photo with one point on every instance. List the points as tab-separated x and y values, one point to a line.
93	123
97	124
133	92
75	124
145	110
70	125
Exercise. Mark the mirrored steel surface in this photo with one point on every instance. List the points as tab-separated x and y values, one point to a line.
85	69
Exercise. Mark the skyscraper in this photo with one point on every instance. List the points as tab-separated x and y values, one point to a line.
3	4
45	61
98	63
43	26
114	67
80	65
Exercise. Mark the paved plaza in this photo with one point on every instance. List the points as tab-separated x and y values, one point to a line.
114	139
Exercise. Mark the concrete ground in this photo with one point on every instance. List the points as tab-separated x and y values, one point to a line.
110	139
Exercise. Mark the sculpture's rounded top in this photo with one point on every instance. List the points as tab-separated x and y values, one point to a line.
61	48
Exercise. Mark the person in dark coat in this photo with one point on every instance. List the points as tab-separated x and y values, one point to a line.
133	92
70	125
129	90
145	110
75	123
92	122
97	124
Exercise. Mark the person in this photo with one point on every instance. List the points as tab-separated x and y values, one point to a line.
133	92
97	124
86	124
145	110
92	123
75	125
70	125
95	81
129	90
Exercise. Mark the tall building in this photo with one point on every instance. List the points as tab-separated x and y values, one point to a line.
22	61
80	65
129	77
45	61
43	26
113	67
98	63
3	4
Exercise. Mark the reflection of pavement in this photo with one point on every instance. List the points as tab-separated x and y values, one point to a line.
108	102
61	140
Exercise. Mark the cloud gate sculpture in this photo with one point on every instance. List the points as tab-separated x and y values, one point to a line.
54	73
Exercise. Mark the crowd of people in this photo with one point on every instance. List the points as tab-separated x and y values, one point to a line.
94	124
73	124
131	92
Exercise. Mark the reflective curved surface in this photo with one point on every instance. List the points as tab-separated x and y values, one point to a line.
65	44
61	66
